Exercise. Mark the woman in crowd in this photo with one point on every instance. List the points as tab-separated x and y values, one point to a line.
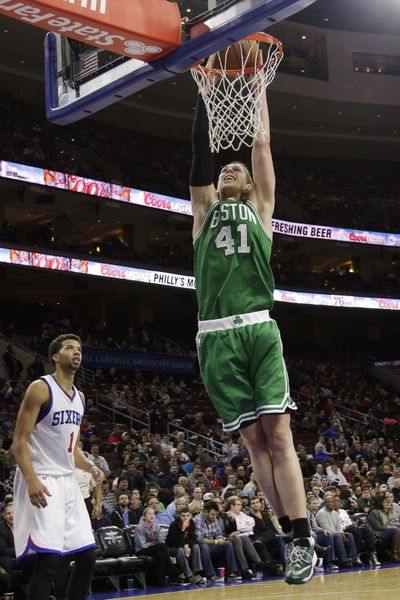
378	522
238	528
149	542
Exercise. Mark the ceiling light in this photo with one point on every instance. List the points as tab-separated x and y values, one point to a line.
326	19
5	30
394	131
304	37
358	129
188	10
294	107
378	116
340	113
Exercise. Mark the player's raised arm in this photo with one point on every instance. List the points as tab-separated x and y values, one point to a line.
202	190
36	397
263	168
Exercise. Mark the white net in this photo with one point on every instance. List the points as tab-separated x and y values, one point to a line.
233	97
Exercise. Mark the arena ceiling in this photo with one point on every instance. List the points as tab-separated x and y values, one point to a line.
294	118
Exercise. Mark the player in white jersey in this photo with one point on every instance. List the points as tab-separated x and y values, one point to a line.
51	518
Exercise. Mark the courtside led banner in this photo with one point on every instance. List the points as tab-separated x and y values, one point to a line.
175	280
91	187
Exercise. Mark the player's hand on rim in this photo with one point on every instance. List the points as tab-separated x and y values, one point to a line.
37	493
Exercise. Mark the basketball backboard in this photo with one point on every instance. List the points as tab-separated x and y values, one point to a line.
80	79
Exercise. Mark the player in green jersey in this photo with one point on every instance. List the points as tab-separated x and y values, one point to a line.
239	345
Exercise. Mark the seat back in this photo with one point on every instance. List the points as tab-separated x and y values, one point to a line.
112	541
129	531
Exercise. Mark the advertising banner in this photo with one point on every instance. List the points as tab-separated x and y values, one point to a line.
130	361
176	280
121	193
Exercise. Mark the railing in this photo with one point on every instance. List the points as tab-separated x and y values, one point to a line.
358	416
106	403
210	445
82	377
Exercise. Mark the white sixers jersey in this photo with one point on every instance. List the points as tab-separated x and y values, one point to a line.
52	441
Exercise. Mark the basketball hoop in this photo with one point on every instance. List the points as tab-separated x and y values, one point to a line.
232	96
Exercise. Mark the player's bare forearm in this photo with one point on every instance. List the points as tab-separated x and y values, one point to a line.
23	459
98	496
81	462
87	465
264	138
263	169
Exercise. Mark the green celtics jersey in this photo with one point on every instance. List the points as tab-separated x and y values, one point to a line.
231	263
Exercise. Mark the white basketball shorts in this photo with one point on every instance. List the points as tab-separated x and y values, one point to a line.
62	527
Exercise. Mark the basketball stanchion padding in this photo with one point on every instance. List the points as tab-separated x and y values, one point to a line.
232	83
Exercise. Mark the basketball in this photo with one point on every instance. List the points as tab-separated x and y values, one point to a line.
234	56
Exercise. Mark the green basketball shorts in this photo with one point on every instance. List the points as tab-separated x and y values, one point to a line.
243	368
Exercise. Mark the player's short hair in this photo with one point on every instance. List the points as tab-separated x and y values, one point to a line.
56	344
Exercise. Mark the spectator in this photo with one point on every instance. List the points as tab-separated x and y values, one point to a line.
197	478
269	545
172	478
161	517
135	504
12	364
36	368
364	502
239	528
363	536
123	516
323	537
7	548
334	474
122	487
149	542
231	485
196	505
181	540
213	544
344	545
109	501
396	490
213	481
136	479
91	493
98	460
378	522
396	475
393	510
319	472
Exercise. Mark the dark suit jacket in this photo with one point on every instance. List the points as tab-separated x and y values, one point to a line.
7	547
117	520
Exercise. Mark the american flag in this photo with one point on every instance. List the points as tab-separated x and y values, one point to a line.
86	65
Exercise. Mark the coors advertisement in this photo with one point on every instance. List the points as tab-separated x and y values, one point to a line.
121	193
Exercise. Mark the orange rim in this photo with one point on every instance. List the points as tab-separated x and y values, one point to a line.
258	37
